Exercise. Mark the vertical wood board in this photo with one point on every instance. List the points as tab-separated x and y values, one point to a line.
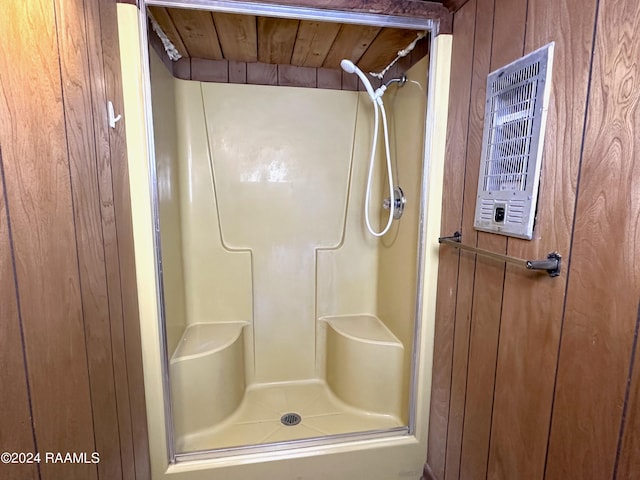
82	149
629	445
455	156
533	304
602	295
16	434
467	269
509	19
38	190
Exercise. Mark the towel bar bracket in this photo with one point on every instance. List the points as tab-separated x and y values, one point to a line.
551	264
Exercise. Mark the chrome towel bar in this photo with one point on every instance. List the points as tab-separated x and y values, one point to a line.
551	264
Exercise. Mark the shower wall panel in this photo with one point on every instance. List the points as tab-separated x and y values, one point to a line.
347	272
398	265
166	143
218	279
268	198
281	160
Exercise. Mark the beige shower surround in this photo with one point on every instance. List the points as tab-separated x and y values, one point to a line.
403	453
261	208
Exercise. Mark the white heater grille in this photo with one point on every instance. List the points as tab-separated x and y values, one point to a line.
517	99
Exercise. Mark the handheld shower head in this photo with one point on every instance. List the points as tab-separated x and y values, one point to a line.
376	97
349	67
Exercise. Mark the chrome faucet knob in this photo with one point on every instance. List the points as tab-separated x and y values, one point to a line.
399	202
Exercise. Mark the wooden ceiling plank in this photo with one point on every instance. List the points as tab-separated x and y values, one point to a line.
262	74
420	51
384	49
276	38
291	76
237	72
351	43
209	70
161	16
182	68
313	43
238	36
349	81
198	32
329	78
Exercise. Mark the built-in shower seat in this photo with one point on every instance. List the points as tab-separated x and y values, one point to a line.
207	375
364	363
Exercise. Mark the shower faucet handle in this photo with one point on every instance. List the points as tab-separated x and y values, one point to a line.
399	203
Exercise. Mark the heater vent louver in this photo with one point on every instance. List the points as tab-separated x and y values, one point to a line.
514	123
516	212
486	209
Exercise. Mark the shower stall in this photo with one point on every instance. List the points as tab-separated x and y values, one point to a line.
281	338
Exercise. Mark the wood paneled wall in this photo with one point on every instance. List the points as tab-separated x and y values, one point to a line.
258	73
538	377
70	362
535	378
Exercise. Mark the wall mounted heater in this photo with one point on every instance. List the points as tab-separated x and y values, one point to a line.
514	125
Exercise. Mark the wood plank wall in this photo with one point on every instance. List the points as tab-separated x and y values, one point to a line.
70	361
286	75
305	43
538	377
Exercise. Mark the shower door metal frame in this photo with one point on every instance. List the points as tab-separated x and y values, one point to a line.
299	13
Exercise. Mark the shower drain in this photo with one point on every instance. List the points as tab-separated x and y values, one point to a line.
290	419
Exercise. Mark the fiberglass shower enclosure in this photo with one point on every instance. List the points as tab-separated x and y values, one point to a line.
277	327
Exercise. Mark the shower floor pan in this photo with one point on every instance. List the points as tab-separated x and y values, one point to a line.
259	418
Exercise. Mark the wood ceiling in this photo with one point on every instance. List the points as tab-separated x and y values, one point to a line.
247	38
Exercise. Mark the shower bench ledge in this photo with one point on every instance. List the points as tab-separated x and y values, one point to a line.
201	339
363	328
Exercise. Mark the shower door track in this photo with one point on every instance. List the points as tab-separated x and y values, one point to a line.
430	25
289	444
300	13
